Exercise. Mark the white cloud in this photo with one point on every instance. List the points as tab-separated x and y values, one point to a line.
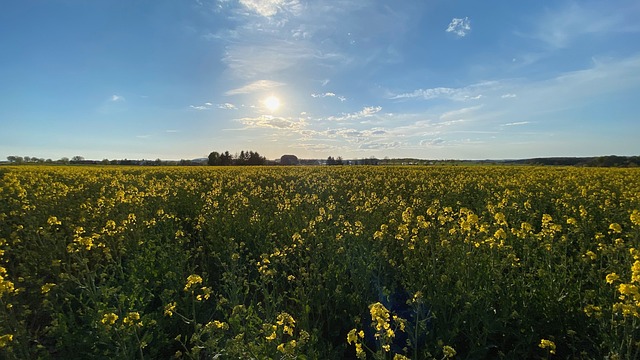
274	122
227	106
460	27
509	96
268	8
517	123
115	98
381	145
256	86
465	93
327	94
366	112
199	107
432	142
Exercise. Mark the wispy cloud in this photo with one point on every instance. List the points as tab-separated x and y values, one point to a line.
273	122
256	86
517	123
227	106
199	107
460	27
366	112
116	98
329	94
268	8
471	92
509	96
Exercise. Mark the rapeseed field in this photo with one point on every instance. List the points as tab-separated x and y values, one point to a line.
319	262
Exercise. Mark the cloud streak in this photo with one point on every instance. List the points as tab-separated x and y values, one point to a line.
459	27
256	86
367	111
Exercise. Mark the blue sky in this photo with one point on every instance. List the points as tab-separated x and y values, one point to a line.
448	79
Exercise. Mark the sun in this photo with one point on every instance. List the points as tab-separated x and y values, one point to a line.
272	103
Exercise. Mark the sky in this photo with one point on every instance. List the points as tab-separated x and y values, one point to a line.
430	79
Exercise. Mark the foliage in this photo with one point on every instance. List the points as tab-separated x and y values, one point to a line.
319	262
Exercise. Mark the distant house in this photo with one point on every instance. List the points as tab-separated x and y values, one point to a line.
289	160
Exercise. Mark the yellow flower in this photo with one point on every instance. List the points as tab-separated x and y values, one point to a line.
611	278
635	217
500	234
628	289
206	293
46	287
352	336
5	340
359	352
109	318
169	309
448	351
217	325
590	255
132	319
548	344
592	310
192	281
616	228
280	348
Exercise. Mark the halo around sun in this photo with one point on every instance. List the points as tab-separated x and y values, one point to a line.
272	103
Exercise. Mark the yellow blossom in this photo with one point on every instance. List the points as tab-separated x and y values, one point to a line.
352	336
448	351
5	340
548	344
132	319
192	281
615	227
109	319
169	309
611	278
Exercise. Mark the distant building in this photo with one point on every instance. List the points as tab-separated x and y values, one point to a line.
289	160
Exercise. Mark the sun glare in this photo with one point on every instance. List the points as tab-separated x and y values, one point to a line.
272	103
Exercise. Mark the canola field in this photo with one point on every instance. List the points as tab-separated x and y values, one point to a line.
435	262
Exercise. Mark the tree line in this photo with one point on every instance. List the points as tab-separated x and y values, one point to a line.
244	158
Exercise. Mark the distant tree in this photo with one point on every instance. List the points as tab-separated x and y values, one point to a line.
226	159
48	161
339	160
289	160
214	159
105	162
77	159
63	160
255	159
11	158
331	160
27	159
